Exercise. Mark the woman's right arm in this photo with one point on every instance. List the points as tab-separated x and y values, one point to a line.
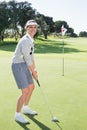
33	71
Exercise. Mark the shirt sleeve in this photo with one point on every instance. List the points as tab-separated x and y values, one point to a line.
27	52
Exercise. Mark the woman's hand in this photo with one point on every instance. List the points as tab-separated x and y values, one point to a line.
33	71
34	74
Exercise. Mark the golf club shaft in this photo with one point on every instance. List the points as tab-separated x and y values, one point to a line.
45	99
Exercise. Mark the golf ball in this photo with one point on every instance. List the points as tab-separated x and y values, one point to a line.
55	118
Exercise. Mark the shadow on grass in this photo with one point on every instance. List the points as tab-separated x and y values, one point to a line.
8	46
44	46
40	124
23	126
58	126
53	48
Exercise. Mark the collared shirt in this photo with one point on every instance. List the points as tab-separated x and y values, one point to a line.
30	37
24	51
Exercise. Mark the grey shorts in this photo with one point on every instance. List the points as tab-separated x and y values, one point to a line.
22	75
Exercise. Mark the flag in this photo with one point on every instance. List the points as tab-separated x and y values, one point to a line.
63	30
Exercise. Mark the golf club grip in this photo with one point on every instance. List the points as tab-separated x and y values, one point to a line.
38	83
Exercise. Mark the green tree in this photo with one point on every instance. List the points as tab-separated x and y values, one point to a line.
43	25
19	13
70	31
50	23
13	16
3	18
25	13
58	25
46	24
83	34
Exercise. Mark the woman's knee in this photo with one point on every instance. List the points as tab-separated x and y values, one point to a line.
31	86
25	91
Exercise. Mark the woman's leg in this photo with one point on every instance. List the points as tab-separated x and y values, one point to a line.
22	98
18	116
26	109
28	96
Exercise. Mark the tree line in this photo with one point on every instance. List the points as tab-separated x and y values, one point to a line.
13	16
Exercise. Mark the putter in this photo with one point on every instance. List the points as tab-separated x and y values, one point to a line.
54	119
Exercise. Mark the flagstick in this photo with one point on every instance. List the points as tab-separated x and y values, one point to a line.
63	58
63	30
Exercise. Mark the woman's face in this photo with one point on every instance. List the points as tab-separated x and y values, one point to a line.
32	29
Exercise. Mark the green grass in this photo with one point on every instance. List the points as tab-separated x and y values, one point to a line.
67	95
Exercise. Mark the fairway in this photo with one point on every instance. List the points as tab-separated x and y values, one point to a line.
66	95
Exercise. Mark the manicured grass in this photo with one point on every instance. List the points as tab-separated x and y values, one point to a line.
67	95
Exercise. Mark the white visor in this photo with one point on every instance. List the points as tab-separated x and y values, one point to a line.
30	22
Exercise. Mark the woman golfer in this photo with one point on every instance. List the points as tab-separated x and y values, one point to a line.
24	70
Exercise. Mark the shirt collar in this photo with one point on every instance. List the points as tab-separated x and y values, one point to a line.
30	37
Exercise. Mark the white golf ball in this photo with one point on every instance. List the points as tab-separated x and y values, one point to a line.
55	118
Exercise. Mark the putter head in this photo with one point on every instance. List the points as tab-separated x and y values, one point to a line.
54	119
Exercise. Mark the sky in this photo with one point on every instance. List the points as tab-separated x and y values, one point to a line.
72	11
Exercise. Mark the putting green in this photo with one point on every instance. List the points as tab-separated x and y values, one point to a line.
66	95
